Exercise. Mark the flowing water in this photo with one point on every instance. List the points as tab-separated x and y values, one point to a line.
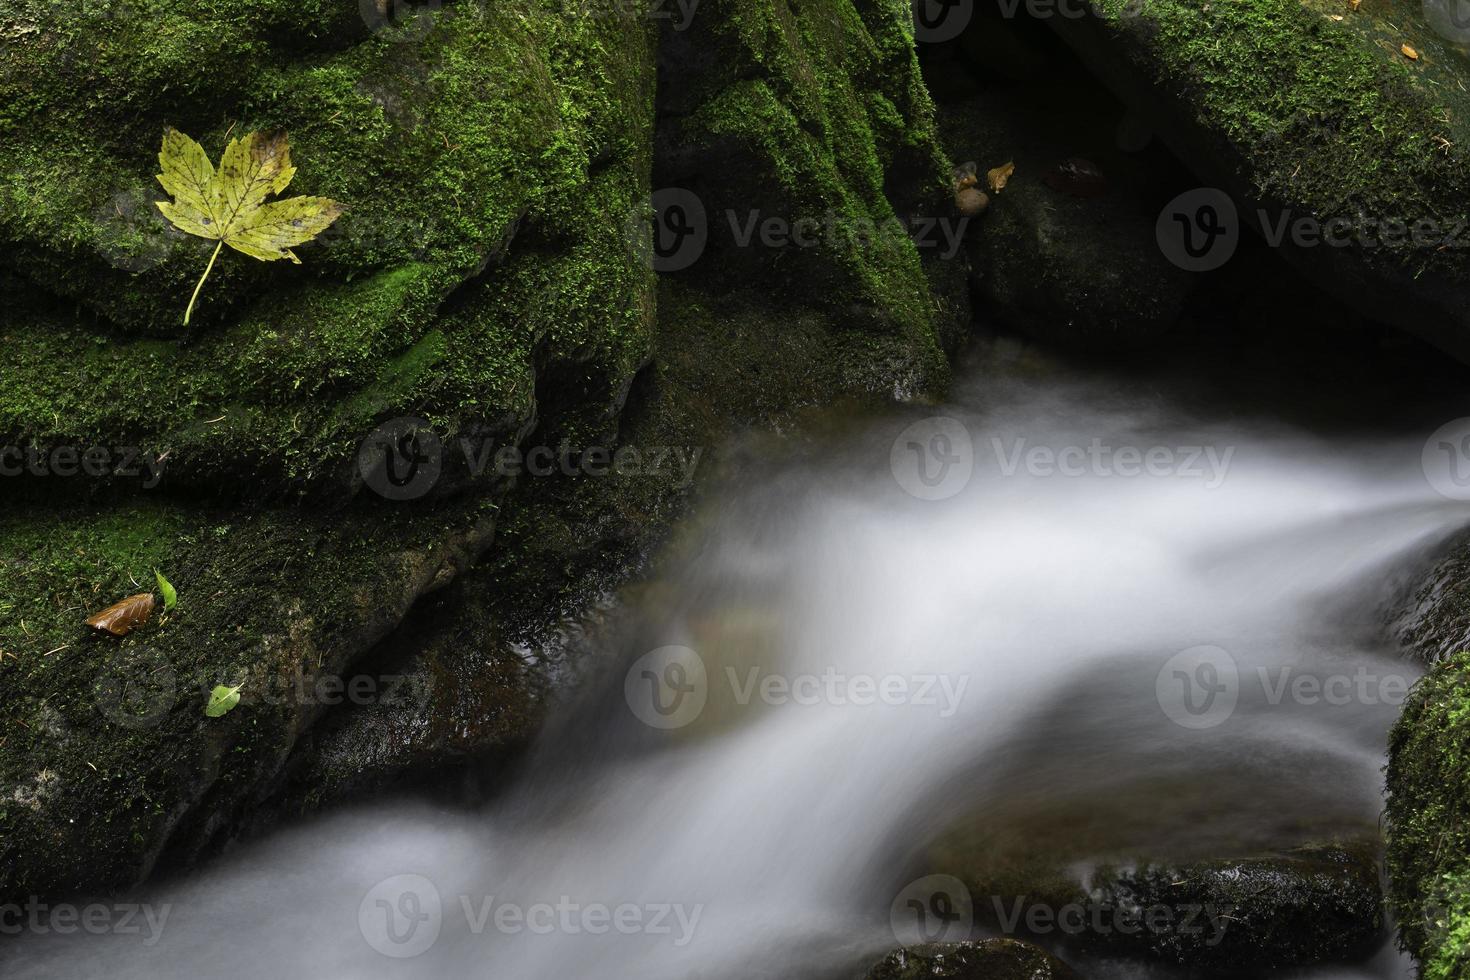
832	672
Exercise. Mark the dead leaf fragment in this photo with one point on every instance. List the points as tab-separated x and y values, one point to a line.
124	617
1410	53
998	177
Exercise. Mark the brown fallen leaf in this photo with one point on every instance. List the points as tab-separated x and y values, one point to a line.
1354	4
124	617
998	177
1410	53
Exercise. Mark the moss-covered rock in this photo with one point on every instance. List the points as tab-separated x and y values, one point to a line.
816	116
494	124
488	279
108	755
1429	820
993	959
1308	111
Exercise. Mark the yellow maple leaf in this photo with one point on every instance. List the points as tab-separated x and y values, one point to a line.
229	205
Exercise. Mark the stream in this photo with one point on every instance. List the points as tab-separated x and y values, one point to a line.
1039	607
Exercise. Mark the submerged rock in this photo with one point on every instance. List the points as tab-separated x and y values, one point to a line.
1316	904
992	959
1309	905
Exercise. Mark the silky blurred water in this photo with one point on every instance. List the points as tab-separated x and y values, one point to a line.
1042	650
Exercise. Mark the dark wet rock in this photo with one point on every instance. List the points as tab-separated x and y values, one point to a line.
1316	904
992	959
1431	620
1063	254
1313	904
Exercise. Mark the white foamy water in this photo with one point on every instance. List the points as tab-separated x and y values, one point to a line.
1031	641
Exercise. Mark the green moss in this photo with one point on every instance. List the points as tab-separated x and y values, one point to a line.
817	114
105	741
1429	820
1328	118
495	157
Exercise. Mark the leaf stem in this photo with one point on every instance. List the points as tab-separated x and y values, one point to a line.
207	270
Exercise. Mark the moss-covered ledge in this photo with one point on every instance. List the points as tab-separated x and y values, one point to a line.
105	746
1429	821
496	156
489	157
1310	111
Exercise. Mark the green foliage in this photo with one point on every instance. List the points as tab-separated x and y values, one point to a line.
166	589
1429	820
222	701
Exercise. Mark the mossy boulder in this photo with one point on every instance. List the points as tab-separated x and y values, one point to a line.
815	117
487	123
1429	820
491	278
109	759
1310	112
992	959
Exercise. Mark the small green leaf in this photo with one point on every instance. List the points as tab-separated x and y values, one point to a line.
170	595
222	700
